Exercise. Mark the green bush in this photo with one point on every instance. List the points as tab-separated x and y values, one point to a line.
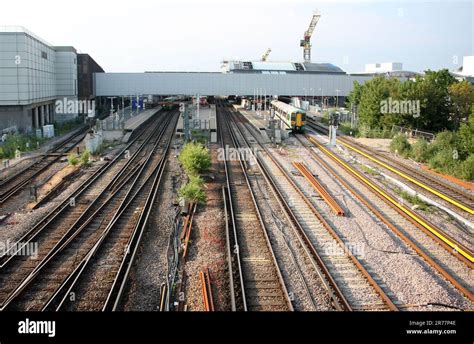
195	158
193	191
421	151
445	140
364	130
466	135
24	143
444	161
465	169
73	159
85	157
345	128
400	145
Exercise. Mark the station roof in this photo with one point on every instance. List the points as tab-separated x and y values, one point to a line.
265	67
322	68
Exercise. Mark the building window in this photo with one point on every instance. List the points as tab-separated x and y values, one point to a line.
44	55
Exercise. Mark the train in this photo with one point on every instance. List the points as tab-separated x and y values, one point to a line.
170	102
291	118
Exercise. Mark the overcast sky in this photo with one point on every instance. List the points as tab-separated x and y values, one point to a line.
152	35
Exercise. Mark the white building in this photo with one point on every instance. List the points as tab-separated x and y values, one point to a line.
383	67
468	66
33	75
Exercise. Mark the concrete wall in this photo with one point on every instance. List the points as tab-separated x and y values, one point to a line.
16	116
33	75
66	81
27	72
66	73
169	83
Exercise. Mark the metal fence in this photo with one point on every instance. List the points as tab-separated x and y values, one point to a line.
415	133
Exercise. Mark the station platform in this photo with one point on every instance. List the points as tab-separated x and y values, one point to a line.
134	122
259	122
204	121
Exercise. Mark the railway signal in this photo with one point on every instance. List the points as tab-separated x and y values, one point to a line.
333	124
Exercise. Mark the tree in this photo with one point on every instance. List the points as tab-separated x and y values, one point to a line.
431	90
373	94
353	99
462	97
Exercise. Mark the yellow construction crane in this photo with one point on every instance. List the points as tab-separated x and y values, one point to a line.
265	56
306	42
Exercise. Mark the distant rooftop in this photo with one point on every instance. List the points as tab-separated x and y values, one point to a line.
273	67
383	67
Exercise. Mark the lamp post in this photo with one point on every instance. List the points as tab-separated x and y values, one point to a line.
254	104
337	97
321	98
111	104
265	100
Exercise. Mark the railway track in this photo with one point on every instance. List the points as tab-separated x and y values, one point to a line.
93	207
99	280
456	197
41	289
16	182
349	285
452	245
255	274
426	246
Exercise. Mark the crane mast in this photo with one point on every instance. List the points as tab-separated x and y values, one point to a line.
306	42
265	56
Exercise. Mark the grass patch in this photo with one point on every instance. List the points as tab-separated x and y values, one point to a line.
24	143
414	200
62	128
369	170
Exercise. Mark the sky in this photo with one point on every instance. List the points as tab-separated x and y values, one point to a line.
186	35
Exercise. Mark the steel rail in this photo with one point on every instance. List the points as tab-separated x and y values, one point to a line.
454	246
259	216
59	300
370	154
404	237
60	208
386	299
331	202
67	238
